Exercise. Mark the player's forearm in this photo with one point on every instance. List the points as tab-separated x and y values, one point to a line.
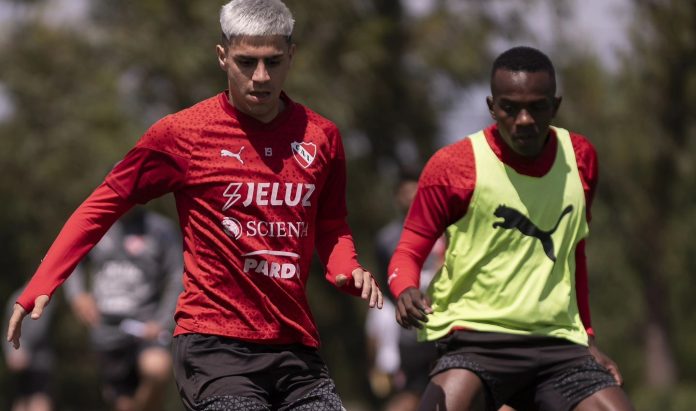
336	250
79	234
408	259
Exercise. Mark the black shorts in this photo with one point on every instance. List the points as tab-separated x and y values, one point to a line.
525	372
118	367
225	374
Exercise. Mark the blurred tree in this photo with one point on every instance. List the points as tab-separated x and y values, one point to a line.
661	82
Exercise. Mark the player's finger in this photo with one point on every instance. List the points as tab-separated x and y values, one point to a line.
401	316
614	370
380	298
367	283
427	304
359	280
39	305
415	322
422	306
14	329
375	293
418	314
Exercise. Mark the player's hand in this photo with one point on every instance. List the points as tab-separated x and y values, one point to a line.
85	309
364	280
14	330
412	308
605	361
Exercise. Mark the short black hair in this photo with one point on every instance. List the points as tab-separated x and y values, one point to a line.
523	58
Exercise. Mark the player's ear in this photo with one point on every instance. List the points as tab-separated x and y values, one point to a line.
489	102
221	52
556	104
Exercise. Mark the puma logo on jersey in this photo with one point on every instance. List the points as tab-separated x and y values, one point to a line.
265	194
513	219
228	153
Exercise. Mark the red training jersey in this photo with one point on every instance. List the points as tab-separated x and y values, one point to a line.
444	192
253	201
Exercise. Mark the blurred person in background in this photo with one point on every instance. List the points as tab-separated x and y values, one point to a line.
509	309
259	182
135	272
30	367
399	364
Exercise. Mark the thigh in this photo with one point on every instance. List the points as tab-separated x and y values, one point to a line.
608	399
505	364
321	397
215	373
455	389
571	384
302	381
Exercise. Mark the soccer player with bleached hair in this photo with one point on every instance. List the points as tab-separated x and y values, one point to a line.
259	182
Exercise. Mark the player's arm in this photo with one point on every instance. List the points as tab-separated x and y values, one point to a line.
336	250
589	174
334	241
586	157
444	191
80	233
406	264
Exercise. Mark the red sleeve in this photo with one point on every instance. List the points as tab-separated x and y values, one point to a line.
407	262
334	240
582	288
145	174
444	192
157	165
336	250
586	158
332	201
80	233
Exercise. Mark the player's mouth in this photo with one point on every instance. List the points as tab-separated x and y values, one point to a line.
525	138
260	96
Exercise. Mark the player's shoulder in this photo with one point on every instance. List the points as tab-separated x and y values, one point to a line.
317	120
449	164
583	147
204	111
174	133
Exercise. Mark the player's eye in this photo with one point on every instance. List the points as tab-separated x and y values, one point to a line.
508	108
246	62
539	106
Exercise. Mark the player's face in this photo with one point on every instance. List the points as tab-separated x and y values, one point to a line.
523	104
256	68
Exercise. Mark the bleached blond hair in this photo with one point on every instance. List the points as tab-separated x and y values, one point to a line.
256	18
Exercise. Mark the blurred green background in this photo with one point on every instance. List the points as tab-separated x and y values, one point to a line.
77	90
